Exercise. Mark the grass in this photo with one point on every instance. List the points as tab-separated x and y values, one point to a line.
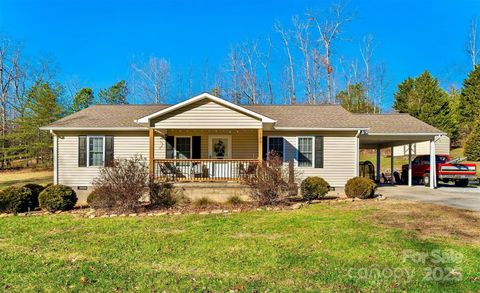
384	161
317	248
21	177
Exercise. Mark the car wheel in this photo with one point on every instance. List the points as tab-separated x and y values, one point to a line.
461	182
426	179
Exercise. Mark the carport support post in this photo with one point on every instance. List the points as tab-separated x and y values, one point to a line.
433	165
410	164
378	163
391	164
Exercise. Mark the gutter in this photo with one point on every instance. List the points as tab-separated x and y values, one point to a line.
92	128
321	128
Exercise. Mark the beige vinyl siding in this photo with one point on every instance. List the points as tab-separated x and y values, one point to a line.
244	142
206	114
442	146
126	144
339	155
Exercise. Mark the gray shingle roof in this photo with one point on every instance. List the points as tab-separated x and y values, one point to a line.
300	116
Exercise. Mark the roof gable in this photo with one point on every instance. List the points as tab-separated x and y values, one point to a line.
200	97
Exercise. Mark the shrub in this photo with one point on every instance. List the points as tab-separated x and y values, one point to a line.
16	200
36	189
472	144
269	183
360	187
162	194
314	188
235	200
57	198
203	202
98	198
124	181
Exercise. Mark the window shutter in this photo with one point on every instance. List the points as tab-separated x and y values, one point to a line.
170	142
196	147
82	151
318	151
264	147
108	150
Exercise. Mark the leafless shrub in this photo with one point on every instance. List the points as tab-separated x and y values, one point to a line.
270	183
123	182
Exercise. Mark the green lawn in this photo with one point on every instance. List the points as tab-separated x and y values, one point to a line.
21	177
311	249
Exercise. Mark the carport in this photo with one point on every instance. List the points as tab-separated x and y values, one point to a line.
390	130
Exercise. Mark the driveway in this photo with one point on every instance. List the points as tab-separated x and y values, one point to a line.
465	198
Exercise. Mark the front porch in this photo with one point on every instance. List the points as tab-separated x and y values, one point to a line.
193	155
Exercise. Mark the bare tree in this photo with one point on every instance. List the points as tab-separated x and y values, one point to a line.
249	65
302	34
9	73
266	68
285	36
152	79
366	51
472	45
329	28
234	69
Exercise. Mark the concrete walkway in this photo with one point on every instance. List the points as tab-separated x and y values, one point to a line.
465	198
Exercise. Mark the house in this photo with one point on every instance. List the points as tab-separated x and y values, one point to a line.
442	146
205	139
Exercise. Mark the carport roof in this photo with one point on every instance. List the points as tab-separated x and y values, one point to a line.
396	124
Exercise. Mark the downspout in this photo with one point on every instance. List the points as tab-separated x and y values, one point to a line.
55	157
357	152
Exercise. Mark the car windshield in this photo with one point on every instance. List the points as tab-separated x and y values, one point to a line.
440	159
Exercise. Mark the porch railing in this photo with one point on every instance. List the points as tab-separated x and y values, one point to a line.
203	169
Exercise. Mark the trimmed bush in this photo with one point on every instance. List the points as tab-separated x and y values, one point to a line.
57	198
162	194
235	200
99	199
36	189
360	187
314	188
16	200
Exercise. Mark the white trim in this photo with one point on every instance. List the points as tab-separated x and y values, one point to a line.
175	145
405	134
55	158
357	154
229	146
53	128
283	146
147	118
313	151
88	149
319	128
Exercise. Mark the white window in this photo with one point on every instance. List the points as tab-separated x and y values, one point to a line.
305	151
96	150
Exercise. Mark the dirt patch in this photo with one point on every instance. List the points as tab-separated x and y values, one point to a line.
428	220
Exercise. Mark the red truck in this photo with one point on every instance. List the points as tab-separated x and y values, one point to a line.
448	170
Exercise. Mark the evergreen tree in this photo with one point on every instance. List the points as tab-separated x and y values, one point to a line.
82	99
470	100
472	143
116	94
354	99
424	99
42	108
402	96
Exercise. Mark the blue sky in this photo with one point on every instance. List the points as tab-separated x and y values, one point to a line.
95	41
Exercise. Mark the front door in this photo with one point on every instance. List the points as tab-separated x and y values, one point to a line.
220	147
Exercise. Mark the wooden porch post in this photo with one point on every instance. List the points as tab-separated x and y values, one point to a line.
260	144
151	151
